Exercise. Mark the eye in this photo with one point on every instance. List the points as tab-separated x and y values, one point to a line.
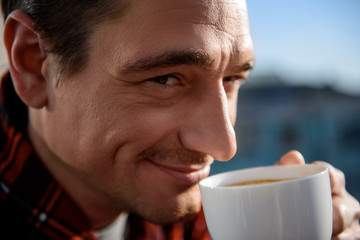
231	80
232	84
169	80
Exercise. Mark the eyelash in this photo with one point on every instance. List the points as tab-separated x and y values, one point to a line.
234	79
163	79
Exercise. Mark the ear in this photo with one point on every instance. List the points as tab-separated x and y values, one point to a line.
26	55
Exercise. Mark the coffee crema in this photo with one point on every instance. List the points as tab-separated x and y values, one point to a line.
257	181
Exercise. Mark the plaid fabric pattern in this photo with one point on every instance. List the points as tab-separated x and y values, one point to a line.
34	206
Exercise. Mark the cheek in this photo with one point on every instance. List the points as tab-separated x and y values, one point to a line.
75	129
146	127
90	130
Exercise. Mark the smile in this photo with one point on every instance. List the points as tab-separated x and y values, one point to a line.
185	175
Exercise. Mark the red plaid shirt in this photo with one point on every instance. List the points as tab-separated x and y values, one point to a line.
34	206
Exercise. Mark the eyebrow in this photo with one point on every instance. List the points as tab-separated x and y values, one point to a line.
248	66
174	58
169	59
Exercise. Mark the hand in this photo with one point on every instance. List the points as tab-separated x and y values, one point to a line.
346	209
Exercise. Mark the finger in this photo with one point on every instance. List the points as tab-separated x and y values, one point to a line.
346	213
337	178
339	224
292	157
351	233
346	209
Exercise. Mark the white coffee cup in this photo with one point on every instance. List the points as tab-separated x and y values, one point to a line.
300	208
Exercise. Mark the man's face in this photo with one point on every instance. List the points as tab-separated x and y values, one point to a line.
140	125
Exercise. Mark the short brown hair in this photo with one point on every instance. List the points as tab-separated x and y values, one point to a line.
67	25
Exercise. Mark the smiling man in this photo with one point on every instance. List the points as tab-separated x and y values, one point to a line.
127	104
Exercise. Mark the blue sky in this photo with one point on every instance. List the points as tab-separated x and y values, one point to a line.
308	42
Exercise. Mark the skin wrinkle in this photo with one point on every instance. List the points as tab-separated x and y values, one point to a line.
231	44
146	64
124	80
144	98
125	122
99	135
175	154
167	59
197	57
233	51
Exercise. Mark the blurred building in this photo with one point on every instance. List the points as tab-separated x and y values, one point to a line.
321	123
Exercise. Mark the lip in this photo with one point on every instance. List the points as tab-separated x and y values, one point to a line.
185	175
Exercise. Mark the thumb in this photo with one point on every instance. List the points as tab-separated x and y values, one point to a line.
292	157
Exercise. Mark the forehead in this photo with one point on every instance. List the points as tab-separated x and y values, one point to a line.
218	13
150	26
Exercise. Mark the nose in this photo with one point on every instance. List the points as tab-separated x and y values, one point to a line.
208	127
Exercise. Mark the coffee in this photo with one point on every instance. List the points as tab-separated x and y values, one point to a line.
257	181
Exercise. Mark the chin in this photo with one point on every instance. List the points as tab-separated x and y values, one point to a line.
174	217
188	216
178	209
